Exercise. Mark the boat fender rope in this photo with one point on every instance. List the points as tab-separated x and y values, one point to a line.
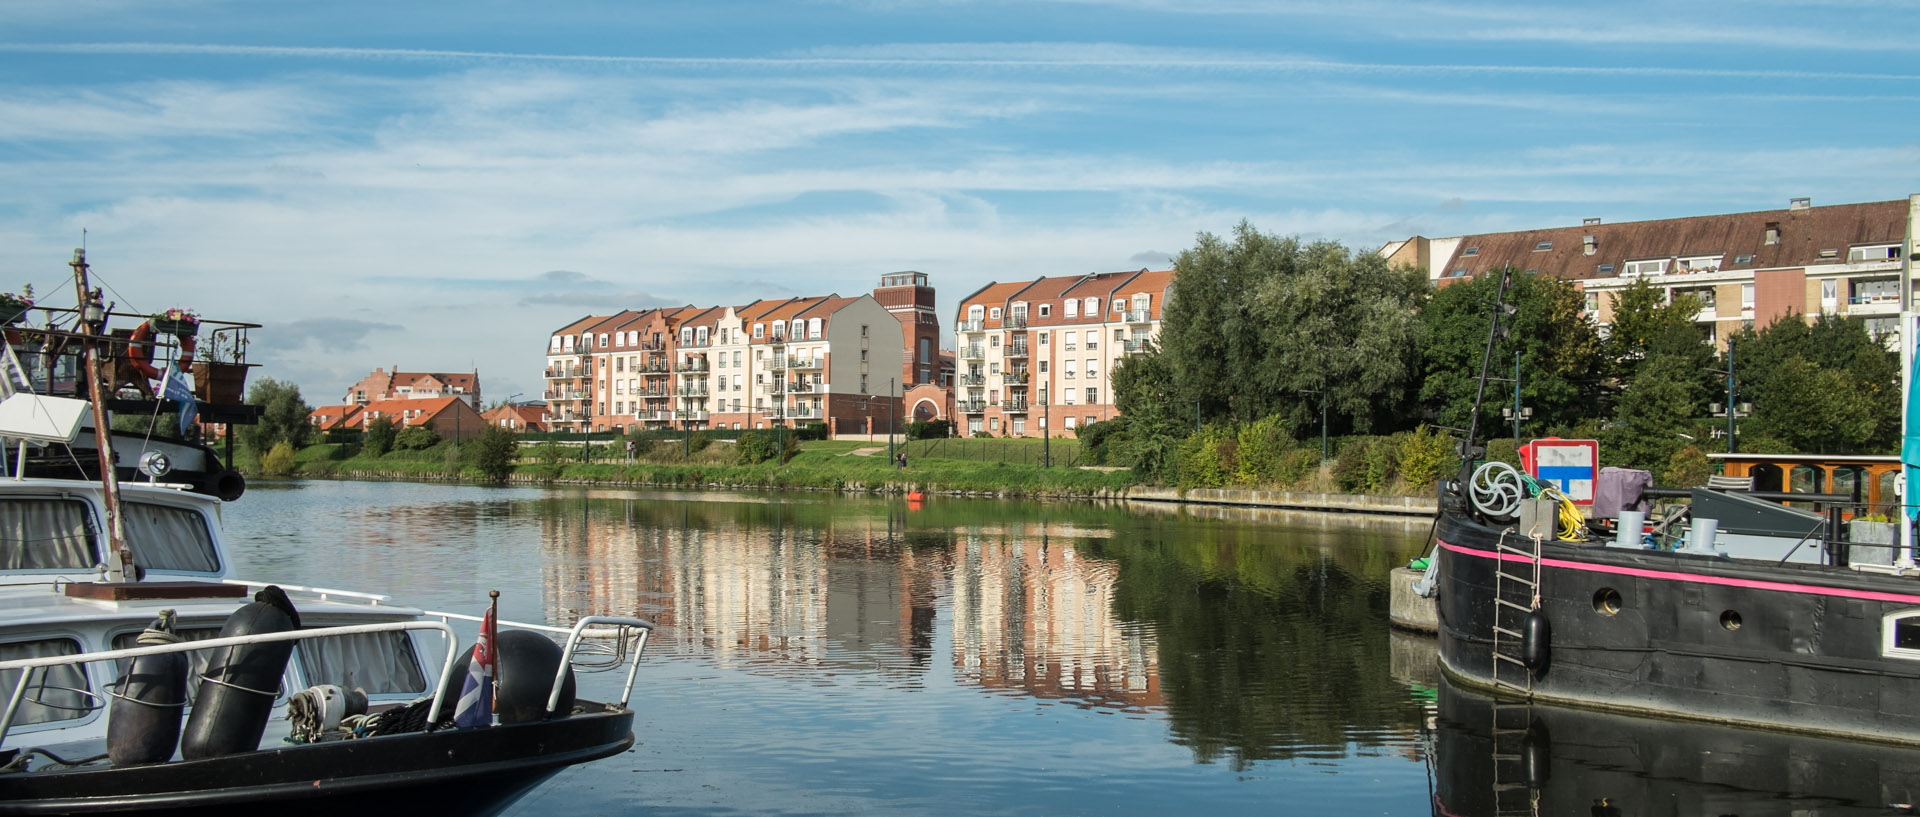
19	762
160	632
225	683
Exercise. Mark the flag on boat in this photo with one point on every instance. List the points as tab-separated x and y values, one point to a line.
13	376
476	695
174	387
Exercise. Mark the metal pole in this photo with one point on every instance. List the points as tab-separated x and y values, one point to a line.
890	418
90	311
1516	398
1046	435
1323	423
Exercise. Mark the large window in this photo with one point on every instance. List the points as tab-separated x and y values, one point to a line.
46	534
375	662
53	694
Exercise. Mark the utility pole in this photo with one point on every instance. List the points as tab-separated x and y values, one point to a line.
1046	436
890	384
1516	397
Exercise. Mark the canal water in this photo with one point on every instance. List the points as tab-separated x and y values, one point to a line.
820	654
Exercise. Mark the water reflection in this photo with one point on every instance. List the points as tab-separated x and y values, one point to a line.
1516	759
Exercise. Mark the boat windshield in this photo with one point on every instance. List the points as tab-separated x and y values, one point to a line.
169	538
46	533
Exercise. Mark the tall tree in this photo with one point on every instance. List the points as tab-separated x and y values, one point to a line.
283	415
1343	327
1826	387
1560	352
1210	331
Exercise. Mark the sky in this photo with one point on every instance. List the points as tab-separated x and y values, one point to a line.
440	186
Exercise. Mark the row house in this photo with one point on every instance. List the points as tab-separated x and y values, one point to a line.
518	417
399	385
450	416
1035	357
1745	269
784	362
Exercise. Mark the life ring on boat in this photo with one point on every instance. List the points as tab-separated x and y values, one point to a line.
140	351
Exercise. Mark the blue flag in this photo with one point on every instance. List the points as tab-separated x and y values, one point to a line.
174	387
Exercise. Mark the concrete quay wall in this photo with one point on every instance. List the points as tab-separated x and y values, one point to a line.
1354	503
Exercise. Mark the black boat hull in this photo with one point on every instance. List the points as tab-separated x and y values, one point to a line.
463	771
1798	647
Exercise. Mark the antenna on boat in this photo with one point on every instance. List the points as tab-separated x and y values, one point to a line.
93	322
1496	329
1909	456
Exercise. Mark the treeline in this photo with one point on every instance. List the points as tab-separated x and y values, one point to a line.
1270	341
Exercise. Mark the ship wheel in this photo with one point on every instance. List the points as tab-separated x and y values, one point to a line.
1496	490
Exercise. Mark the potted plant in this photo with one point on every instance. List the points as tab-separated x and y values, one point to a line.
184	323
13	307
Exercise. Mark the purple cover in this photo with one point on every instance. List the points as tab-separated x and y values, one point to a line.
1619	489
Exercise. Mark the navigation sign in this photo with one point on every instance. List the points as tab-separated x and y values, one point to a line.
1568	465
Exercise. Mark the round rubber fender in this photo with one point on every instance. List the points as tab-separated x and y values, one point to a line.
1536	642
239	686
228	485
526	665
143	723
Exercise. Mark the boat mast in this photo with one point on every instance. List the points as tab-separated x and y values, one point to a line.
1903	553
93	320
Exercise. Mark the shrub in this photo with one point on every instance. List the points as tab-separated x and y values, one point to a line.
379	437
1366	465
755	447
928	429
810	431
279	461
1688	466
493	453
698	441
1207	459
1103	440
416	438
1425	457
1261	446
1296	466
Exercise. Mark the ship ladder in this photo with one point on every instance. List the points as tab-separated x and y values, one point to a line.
1516	594
1518	761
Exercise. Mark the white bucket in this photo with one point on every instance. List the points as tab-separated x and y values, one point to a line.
1628	534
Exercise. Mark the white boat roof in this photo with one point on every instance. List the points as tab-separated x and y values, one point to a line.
41	608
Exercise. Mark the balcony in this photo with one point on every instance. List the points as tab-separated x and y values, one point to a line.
654	367
805	362
1134	347
1016	350
970	406
653	345
691	366
975	380
800	411
1138	316
1016	406
776	339
690	391
972	326
1015	378
1888	304
778	364
690	415
696	343
1017	321
973	353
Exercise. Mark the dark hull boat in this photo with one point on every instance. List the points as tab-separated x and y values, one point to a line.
1736	609
1813	648
456	771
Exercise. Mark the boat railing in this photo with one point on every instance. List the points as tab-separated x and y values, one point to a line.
26	665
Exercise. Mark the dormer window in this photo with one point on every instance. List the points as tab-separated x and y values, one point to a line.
1470	252
1868	253
1045	310
1773	232
1543	246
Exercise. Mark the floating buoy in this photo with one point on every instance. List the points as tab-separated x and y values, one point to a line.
1536	636
240	683
143	724
916	496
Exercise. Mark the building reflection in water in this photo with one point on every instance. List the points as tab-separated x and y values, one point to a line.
785	587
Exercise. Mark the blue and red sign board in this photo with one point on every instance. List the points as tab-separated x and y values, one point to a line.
1568	465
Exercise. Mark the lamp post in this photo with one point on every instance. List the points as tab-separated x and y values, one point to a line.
1046	435
890	384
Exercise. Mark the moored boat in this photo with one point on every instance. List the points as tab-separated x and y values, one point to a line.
1743	611
297	699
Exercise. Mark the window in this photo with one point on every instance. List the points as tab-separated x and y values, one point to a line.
993	314
1651	266
619	339
1045	310
1543	246
759	331
1773	232
1043	338
65	693
1093	368
1829	293
1593	302
1019	425
993	423
1093	339
1458	272
1073	309
1470	252
1093	307
1874	252
1093	395
1700	263
60	530
1900	635
1119	335
1746	296
1743	259
1043	367
1069	422
1605	269
1066	369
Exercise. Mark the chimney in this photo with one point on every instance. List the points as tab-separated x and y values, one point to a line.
1801	203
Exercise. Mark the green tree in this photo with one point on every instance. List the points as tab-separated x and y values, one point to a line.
1655	409
283	416
1341	326
415	438
493	452
1559	349
379	438
1153	418
1775	368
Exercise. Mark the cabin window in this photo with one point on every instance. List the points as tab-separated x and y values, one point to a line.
1900	635
169	538
376	662
46	534
58	693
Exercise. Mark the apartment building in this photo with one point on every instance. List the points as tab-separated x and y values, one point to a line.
1034	357
1746	269
771	362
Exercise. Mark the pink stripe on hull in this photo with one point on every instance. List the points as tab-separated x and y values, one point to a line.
1668	575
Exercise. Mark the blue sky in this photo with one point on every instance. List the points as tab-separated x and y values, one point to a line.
440	185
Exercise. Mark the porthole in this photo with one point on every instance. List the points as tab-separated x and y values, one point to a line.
1606	601
1730	620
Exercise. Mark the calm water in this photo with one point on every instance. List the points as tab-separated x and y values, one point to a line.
829	655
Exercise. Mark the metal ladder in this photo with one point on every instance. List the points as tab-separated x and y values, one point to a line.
1513	794
1515	594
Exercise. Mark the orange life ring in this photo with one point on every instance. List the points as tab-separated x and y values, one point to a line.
140	351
